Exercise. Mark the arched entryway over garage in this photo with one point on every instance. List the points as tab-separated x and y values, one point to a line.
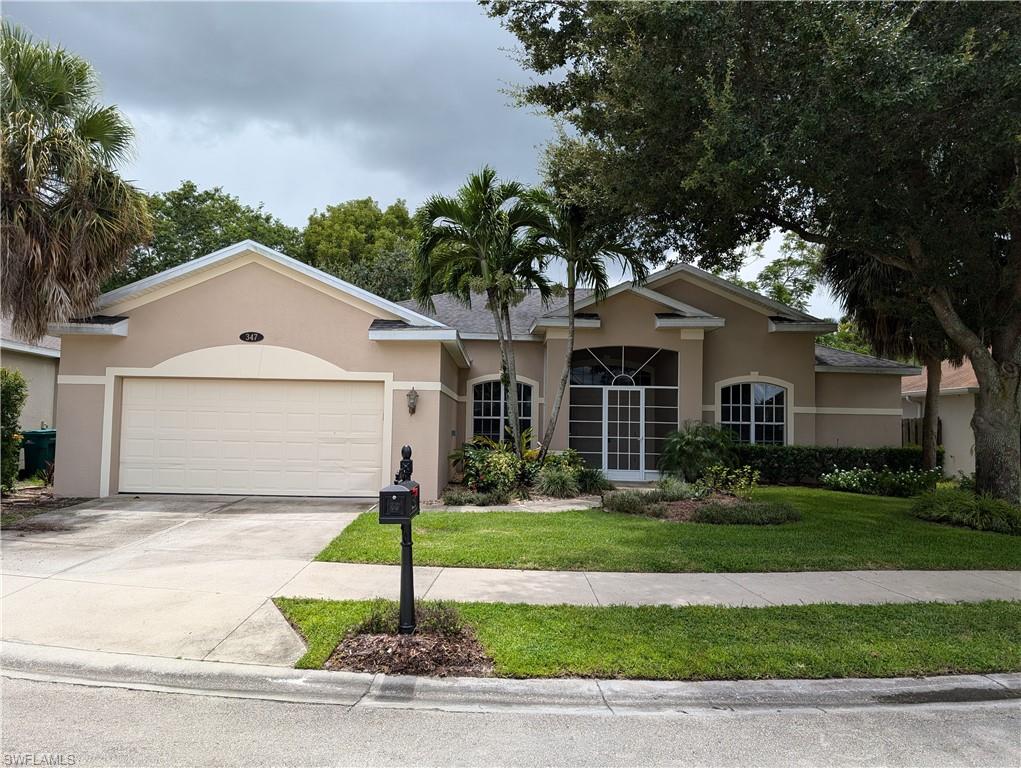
623	405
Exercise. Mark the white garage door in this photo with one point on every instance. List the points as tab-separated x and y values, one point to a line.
290	438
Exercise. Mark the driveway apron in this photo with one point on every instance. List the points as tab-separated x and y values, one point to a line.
176	576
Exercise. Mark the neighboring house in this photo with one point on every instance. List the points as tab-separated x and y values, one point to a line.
247	372
38	363
957	389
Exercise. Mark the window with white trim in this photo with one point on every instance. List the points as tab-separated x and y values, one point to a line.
489	409
755	411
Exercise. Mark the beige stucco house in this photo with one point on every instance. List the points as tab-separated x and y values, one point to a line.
958	386
38	362
247	372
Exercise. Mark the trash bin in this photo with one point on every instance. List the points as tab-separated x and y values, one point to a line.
40	448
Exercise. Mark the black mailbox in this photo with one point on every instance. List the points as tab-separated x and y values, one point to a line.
398	503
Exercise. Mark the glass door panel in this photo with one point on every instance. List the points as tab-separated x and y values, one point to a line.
624	457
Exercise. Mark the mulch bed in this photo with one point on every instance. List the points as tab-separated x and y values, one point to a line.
24	503
682	511
460	655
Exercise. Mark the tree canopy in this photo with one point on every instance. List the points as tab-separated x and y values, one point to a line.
885	129
189	222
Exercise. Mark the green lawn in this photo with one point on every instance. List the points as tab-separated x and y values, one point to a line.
839	531
713	643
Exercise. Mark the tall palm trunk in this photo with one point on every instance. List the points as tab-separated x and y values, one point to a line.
930	414
508	374
565	375
513	409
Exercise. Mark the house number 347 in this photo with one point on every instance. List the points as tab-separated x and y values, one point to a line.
251	336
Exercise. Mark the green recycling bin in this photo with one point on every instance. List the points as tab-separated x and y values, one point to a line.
40	448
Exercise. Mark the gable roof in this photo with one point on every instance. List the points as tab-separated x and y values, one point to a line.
721	285
830	360
170	276
954	379
46	346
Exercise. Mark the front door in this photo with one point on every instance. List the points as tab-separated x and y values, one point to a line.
624	433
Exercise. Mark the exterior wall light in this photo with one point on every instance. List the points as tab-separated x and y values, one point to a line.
412	401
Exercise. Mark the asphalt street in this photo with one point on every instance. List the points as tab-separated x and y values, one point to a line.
57	724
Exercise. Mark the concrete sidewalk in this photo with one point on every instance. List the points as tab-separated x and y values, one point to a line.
352	581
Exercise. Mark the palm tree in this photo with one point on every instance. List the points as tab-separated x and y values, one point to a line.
584	247
68	220
897	323
483	240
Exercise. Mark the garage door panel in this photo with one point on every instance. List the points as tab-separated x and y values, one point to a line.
250	437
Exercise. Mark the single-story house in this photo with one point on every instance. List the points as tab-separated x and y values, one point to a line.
38	362
957	389
248	372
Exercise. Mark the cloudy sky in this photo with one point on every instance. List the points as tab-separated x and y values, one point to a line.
301	105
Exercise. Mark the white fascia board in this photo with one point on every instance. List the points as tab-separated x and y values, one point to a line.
457	351
738	290
561	322
818	327
942	392
120	328
906	370
493	337
412	334
690	322
29	349
148	284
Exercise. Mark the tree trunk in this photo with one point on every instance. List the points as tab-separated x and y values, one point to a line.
930	415
551	423
512	384
997	426
997	418
494	308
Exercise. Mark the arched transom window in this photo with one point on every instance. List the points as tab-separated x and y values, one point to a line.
490	413
755	411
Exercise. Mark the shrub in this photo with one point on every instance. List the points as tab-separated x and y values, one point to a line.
13	391
462	498
739	482
593	481
690	451
805	464
630	502
670	488
964	508
882	482
438	618
569	459
746	513
490	467
557	480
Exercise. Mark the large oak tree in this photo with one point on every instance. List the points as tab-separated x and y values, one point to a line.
884	129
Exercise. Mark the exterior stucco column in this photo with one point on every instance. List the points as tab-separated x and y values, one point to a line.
556	348
690	375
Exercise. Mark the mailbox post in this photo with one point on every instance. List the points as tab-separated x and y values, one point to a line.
398	503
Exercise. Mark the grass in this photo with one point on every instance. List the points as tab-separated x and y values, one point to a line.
838	531
712	643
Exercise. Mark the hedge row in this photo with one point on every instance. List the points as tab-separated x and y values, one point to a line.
805	464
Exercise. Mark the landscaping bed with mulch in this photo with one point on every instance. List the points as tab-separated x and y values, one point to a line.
442	645
26	502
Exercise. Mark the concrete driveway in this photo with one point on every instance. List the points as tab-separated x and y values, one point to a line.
176	576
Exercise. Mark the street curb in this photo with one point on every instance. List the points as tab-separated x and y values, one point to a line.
561	696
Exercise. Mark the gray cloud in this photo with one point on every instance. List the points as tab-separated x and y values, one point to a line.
410	92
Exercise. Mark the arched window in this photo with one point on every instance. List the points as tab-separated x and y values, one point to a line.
755	411
489	409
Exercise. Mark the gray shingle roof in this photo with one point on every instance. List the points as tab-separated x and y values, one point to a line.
46	342
478	319
841	358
